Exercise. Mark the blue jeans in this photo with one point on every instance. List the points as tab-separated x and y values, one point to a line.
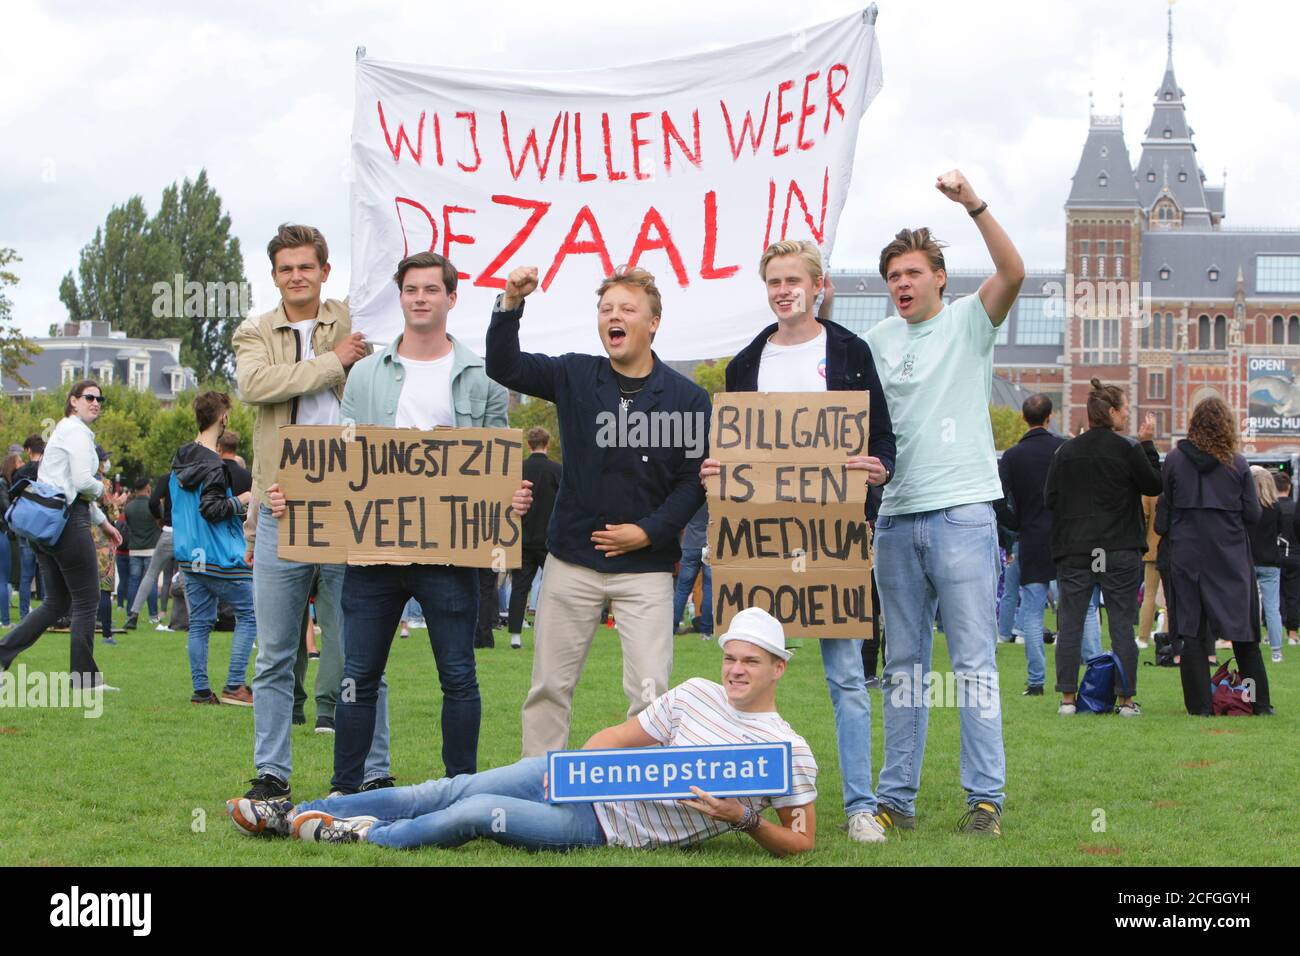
1033	600
26	574
202	591
139	565
947	558
505	805
280	593
842	661
373	599
1091	645
123	578
1009	613
1270	592
692	565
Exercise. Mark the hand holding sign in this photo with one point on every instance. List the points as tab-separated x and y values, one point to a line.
710	468
729	810
872	466
523	498
275	498
519	285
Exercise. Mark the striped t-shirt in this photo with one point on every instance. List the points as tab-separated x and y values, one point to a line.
698	714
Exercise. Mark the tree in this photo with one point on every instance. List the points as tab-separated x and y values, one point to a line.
16	350
178	275
117	271
1008	426
190	217
537	411
712	376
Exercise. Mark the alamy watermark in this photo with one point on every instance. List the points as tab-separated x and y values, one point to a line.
635	429
181	299
21	687
920	688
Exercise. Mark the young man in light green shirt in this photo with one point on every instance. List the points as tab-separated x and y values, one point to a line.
936	538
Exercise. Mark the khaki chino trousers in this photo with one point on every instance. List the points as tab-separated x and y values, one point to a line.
568	613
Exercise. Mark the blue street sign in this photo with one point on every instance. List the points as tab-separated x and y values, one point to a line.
668	773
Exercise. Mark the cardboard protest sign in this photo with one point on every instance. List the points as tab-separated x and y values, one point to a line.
375	495
687	167
787	525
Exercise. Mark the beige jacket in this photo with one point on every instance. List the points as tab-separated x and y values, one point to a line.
271	376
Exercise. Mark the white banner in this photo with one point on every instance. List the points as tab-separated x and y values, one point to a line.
687	167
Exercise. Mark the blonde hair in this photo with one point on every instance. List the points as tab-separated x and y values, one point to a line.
1264	486
636	278
805	250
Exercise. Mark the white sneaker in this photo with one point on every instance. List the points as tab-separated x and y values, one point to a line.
1142	645
1277	657
1066	710
1293	640
1130	710
865	828
162	627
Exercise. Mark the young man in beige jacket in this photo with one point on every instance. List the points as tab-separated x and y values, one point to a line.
291	364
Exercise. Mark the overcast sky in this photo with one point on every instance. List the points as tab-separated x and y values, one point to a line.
103	101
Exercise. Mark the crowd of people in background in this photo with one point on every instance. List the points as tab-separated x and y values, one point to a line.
1092	520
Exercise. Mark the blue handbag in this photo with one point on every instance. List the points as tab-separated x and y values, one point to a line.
37	511
1097	689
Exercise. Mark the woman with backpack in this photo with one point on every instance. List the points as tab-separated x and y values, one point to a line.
1094	490
1210	500
1268	560
69	567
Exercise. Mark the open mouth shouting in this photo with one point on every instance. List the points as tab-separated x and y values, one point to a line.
904	301
616	335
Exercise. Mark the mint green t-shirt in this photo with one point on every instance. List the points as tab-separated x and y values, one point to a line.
938	378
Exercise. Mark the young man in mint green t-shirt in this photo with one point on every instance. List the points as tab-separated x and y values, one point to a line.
936	538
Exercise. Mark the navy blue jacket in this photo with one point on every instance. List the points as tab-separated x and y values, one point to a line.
656	488
1023	470
849	367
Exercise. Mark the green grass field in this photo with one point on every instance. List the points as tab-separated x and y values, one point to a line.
145	784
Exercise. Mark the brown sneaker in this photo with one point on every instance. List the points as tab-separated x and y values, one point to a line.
240	696
205	697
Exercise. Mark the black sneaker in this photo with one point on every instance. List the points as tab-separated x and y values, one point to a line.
1049	637
131	621
1033	691
268	787
381	783
983	819
892	819
324	725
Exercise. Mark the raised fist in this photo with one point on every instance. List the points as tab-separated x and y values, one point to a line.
954	185
519	285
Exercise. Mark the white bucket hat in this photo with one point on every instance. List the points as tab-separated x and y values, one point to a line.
760	628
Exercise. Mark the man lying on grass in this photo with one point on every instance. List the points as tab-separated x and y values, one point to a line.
508	804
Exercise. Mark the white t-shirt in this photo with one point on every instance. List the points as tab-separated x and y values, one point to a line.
425	401
794	368
314	408
697	713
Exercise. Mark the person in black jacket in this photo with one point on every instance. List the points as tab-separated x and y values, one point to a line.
545	474
626	494
1023	469
1268	562
163	560
1288	541
802	352
1209	501
1094	490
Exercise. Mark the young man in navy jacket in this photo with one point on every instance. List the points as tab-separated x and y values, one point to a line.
803	353
633	432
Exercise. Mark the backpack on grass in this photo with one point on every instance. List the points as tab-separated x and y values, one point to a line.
1097	690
